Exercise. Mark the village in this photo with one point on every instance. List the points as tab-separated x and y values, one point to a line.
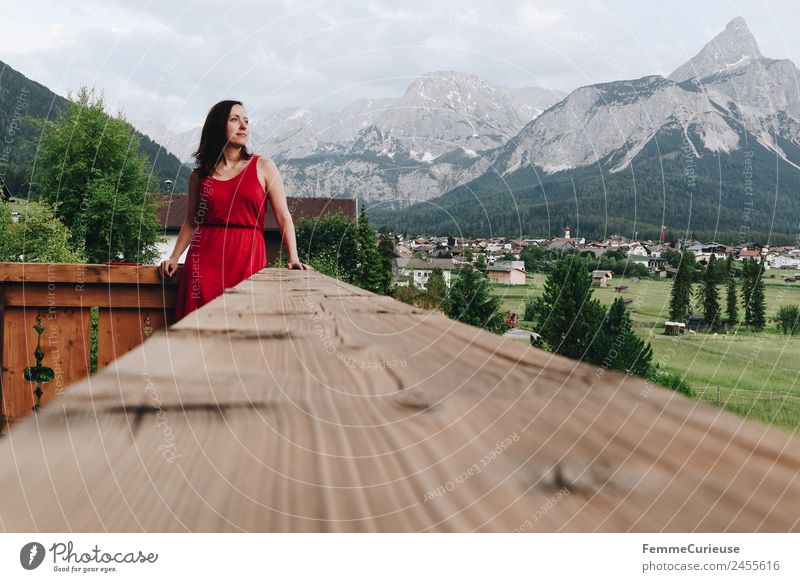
505	257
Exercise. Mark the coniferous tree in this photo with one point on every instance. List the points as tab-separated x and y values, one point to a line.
623	350
731	309
749	269
368	273
757	302
435	296
567	317
709	296
387	256
471	302
469	254
680	298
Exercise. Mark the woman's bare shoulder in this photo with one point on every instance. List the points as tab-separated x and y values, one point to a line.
266	164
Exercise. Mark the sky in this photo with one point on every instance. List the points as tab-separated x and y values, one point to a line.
170	61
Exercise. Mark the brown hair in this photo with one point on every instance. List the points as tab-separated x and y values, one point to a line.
213	140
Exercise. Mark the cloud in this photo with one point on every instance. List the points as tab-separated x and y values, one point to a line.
169	62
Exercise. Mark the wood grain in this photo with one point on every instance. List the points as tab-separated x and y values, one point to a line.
295	402
63	294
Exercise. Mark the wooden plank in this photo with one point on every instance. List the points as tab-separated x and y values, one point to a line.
77	273
66	345
67	295
350	415
121	330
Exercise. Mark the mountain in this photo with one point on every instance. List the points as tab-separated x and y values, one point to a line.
394	150
714	148
21	97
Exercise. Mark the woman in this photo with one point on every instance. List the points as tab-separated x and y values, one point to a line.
224	225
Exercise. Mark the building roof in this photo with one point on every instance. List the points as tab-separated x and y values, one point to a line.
599	273
749	253
417	263
172	211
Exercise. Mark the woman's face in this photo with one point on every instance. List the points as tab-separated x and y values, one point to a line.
237	128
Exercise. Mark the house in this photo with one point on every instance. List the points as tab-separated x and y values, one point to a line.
705	251
638	250
653	262
600	278
172	213
561	245
507	274
746	254
784	261
417	271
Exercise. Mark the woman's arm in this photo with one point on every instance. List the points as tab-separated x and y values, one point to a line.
188	228
190	221
283	217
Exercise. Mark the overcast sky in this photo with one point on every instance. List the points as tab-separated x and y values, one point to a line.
170	61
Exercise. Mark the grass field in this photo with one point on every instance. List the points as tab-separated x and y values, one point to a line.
756	374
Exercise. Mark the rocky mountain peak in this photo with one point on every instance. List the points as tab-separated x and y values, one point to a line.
732	48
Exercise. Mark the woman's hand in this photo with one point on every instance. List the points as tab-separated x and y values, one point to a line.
296	264
168	267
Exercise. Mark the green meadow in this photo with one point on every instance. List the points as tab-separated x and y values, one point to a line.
756	375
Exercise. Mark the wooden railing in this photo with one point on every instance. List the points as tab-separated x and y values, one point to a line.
133	302
295	402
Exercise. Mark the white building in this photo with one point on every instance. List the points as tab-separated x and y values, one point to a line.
418	271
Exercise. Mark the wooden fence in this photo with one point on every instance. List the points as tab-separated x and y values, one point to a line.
132	301
295	402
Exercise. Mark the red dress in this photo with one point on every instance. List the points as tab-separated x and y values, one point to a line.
228	244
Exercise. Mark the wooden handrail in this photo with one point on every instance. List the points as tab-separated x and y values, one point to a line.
295	402
133	301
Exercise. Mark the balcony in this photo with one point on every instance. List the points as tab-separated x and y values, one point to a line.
296	402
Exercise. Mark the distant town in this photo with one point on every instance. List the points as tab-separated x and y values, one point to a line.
504	257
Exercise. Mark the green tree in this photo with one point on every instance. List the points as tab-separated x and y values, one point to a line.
758	307
731	309
470	301
788	318
749	269
435	296
38	237
89	167
387	258
6	246
680	298
566	316
534	257
480	264
622	349
370	263
469	254
328	243
407	294
729	269
529	312
672	257
708	295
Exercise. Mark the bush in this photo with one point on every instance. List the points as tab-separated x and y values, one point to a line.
38	237
670	380
530	309
787	319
